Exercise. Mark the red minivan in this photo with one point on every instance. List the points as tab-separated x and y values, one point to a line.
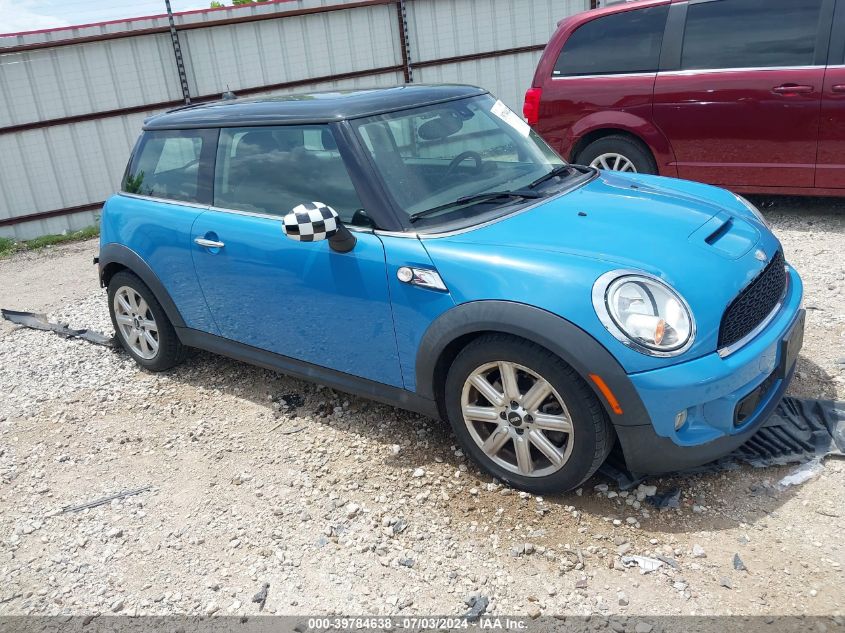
746	94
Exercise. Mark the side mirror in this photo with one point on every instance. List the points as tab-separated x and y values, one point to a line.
315	222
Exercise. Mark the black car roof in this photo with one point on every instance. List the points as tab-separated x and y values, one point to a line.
311	107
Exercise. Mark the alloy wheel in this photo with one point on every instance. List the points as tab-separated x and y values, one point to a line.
517	418
136	322
613	162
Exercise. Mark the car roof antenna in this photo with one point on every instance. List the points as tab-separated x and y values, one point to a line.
228	95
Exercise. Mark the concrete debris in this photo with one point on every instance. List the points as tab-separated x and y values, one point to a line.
260	598
477	607
645	564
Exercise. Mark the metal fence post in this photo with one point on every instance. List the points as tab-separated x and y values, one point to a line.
405	41
177	52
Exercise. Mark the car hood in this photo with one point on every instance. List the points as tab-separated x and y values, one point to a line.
700	239
637	221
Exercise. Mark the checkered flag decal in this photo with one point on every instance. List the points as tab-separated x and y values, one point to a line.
311	221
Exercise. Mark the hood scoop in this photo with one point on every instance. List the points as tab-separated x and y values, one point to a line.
729	235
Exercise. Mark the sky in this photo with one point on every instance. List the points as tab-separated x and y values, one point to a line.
31	15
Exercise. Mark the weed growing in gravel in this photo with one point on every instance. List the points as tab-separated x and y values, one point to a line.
9	246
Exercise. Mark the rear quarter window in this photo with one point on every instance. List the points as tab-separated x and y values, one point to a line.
173	165
627	42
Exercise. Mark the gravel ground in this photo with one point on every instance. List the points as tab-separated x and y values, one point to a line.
346	506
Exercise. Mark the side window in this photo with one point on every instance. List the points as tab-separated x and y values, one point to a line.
750	34
168	164
274	169
627	42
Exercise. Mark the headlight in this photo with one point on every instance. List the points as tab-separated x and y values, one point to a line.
644	313
753	210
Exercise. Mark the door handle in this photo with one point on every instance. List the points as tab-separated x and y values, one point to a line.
792	89
201	241
838	88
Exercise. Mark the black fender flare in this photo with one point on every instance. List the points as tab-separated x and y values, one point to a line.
125	256
563	338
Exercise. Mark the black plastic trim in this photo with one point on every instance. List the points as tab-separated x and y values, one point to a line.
120	254
566	340
369	188
348	383
836	50
824	31
673	37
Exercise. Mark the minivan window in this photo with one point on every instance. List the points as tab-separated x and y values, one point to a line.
166	164
750	34
627	42
274	169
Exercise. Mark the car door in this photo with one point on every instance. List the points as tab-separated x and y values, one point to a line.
739	90
830	167
298	299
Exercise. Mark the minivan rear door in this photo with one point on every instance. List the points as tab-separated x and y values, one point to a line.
739	89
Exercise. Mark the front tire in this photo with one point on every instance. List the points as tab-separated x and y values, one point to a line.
141	325
525	416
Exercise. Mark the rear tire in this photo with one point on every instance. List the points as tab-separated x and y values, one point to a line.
617	151
141	325
567	433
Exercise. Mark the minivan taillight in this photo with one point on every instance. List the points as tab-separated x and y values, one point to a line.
531	109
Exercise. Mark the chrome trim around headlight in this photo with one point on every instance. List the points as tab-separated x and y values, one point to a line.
600	306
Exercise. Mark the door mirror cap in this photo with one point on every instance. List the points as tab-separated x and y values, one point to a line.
315	222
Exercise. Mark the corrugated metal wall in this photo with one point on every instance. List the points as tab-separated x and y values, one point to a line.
71	108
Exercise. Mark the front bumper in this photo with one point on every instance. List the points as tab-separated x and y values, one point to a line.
710	390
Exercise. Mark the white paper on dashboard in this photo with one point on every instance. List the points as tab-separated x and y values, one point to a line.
511	118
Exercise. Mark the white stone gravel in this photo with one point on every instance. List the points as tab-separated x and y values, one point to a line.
369	509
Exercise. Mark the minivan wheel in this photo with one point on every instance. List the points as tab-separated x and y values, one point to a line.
141	325
618	153
526	416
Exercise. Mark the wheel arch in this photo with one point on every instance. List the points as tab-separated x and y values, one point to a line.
117	257
596	135
453	330
617	123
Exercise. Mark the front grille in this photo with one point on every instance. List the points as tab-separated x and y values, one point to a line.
754	303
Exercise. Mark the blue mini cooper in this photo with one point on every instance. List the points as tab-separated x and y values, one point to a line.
422	246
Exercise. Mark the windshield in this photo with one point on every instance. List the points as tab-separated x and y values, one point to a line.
438	160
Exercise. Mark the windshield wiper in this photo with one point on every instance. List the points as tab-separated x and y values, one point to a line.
557	171
478	197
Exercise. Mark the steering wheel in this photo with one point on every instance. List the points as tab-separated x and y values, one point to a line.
457	160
